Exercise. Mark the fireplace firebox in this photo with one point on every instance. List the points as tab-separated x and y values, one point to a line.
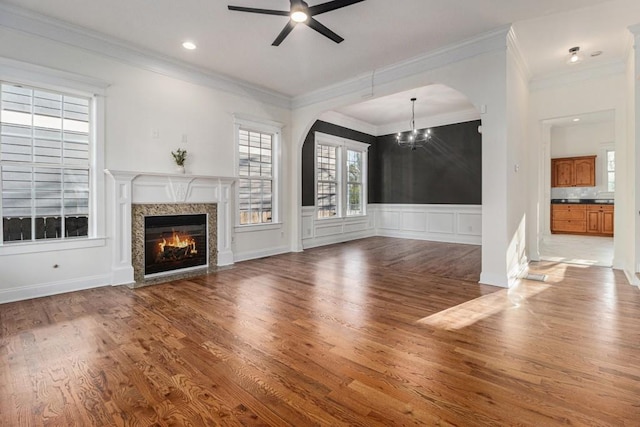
175	242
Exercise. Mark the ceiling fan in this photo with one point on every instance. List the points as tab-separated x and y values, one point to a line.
301	13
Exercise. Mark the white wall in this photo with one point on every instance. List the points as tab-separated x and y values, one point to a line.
138	102
582	139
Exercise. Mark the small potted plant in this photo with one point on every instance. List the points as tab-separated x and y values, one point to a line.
179	156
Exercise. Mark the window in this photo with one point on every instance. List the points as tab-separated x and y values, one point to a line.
354	183
611	170
258	157
340	177
45	144
327	176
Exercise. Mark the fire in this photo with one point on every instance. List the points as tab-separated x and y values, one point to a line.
179	241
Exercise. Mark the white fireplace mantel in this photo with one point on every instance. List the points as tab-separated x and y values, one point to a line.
129	188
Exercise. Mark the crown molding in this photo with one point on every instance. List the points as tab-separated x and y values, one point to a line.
569	77
349	122
366	83
25	21
514	48
25	73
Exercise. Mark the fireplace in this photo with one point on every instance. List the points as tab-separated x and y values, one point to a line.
137	195
174	242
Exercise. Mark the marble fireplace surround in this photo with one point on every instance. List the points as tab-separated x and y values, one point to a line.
140	211
173	190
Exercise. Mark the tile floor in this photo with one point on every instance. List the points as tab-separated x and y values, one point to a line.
589	250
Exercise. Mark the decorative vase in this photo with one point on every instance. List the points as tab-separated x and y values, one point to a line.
180	169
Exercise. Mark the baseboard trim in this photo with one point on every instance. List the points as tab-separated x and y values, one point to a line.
632	278
246	256
336	238
53	288
432	237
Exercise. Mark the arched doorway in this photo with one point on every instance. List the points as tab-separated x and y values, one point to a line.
433	192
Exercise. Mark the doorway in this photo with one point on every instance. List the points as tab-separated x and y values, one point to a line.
570	211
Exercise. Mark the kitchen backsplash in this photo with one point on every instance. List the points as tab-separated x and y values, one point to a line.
580	193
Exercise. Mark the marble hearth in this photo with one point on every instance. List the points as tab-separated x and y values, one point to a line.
136	194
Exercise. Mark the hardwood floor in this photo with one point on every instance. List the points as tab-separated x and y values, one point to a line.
374	332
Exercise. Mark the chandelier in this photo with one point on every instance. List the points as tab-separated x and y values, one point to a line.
413	139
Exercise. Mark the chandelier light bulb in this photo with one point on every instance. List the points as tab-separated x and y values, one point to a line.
415	138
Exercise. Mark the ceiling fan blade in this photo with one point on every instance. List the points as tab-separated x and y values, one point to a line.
324	30
262	11
284	33
331	5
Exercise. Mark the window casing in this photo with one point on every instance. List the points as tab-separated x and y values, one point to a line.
258	170
46	143
341	177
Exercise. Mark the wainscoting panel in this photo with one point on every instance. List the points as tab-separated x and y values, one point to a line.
440	223
335	230
470	224
414	221
387	219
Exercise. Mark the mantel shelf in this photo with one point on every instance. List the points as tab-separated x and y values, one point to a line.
136	174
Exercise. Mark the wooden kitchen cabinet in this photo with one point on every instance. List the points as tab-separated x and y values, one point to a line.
573	171
600	220
568	219
588	219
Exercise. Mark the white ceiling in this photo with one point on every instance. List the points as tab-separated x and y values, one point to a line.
377	33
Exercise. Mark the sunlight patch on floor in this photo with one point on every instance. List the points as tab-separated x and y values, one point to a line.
470	312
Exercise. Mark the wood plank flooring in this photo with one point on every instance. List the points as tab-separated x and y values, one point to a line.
374	332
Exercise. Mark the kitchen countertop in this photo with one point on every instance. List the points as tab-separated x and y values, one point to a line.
582	201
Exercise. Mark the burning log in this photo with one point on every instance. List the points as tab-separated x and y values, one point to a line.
176	248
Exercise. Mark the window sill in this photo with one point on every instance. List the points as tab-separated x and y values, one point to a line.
342	218
258	227
51	246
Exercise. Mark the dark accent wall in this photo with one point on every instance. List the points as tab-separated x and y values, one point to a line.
448	171
308	156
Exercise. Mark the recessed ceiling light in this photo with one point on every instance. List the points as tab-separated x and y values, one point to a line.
189	45
574	55
577	119
596	53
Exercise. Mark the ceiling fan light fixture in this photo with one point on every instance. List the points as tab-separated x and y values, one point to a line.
299	15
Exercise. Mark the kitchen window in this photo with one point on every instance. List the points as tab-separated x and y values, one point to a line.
611	170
